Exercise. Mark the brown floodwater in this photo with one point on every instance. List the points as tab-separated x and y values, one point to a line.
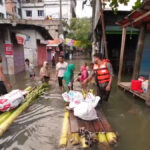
39	127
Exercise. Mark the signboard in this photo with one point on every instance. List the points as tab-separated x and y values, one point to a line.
20	38
8	49
43	42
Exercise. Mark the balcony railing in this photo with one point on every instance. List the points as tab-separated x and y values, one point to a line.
32	1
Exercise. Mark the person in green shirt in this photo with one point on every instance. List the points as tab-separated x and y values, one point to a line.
68	76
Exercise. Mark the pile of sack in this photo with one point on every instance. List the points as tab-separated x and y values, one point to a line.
83	107
140	85
12	100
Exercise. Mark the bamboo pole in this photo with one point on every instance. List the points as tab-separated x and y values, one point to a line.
103	30
64	135
14	114
122	54
139	52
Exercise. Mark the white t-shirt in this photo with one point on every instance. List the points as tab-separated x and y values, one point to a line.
30	68
61	68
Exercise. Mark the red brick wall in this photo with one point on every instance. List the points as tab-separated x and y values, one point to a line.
42	56
10	7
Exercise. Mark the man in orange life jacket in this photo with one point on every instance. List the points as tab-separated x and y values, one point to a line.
103	72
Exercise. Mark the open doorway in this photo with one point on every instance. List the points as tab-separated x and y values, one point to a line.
114	46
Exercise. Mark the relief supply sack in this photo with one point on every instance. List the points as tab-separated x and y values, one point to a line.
11	100
85	111
73	97
92	99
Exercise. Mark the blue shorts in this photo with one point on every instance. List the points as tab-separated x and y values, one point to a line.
32	75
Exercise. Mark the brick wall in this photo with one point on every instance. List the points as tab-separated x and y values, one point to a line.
11	8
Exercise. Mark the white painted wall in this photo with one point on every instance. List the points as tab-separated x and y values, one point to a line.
18	5
50	7
30	47
3	9
54	11
34	13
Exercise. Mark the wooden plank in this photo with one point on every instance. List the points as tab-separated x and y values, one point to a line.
73	123
122	54
139	51
106	125
98	126
92	126
89	126
81	123
103	29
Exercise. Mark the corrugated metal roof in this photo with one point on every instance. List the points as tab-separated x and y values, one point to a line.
137	17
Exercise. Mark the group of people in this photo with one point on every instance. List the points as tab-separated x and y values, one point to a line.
101	70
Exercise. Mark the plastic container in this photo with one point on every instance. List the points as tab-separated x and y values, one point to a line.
136	85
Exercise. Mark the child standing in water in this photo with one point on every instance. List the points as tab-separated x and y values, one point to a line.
68	76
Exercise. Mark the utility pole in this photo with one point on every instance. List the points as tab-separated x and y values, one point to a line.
60	17
103	29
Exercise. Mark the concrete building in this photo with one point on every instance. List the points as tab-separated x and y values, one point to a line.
15	49
107	35
13	9
33	9
2	9
44	9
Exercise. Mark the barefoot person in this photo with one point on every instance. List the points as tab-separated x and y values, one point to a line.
68	77
45	72
60	70
103	72
30	68
3	80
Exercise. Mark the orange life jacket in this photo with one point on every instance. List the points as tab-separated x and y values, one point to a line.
102	73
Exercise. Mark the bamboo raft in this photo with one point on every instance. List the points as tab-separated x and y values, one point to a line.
104	133
7	118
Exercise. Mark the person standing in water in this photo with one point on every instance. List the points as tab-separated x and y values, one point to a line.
68	76
30	68
103	72
3	80
45	72
60	70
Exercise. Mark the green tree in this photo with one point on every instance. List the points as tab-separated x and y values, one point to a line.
80	29
115	3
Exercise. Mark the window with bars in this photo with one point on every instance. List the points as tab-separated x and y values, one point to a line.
40	13
28	13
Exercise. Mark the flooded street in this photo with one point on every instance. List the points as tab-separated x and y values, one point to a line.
39	127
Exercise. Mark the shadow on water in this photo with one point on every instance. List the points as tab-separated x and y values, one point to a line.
39	127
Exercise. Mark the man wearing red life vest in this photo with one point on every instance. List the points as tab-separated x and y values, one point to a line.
103	72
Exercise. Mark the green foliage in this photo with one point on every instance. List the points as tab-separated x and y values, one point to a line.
115	3
80	29
138	3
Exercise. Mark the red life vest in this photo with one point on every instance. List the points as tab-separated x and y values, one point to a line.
102	73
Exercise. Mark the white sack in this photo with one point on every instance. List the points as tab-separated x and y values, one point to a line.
11	100
85	111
